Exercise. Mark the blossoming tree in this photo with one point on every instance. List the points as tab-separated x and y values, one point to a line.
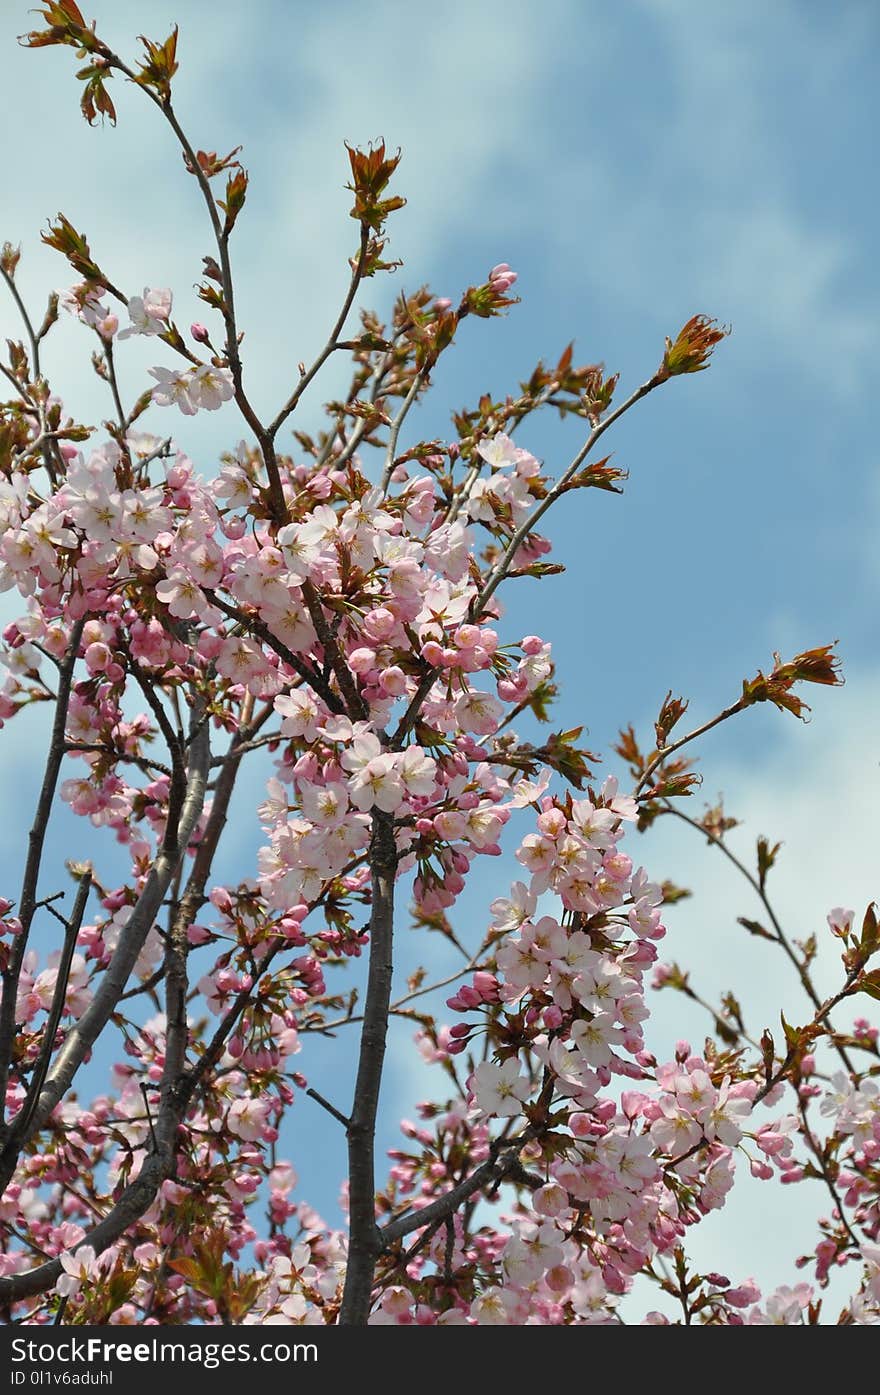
341	609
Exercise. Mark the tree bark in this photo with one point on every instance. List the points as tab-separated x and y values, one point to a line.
365	1240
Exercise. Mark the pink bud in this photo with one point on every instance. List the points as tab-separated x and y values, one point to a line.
501	278
393	680
432	653
792	1174
199	332
97	657
234	527
486	985
362	660
379	623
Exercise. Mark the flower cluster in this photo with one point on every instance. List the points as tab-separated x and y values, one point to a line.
339	612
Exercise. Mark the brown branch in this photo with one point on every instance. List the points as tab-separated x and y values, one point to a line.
410	716
494	1169
144	763
174	742
36	842
256	627
739	706
826	1174
221	238
330	1108
365	1239
107	346
417	384
53	467
22	1120
501	568
132	1204
86	1030
347	686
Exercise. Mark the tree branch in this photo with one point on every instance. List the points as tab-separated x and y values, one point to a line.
255	626
22	1120
494	1169
501	568
36	841
365	1241
781	937
347	686
85	1032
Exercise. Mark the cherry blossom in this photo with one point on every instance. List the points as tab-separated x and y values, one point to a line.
328	606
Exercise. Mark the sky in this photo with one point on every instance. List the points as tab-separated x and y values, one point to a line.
635	163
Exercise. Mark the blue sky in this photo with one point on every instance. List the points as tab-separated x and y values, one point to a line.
636	163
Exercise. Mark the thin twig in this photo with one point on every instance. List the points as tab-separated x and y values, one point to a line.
341	1118
739	706
21	1123
403	411
499	571
781	937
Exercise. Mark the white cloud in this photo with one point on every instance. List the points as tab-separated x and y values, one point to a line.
708	207
816	792
459	89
